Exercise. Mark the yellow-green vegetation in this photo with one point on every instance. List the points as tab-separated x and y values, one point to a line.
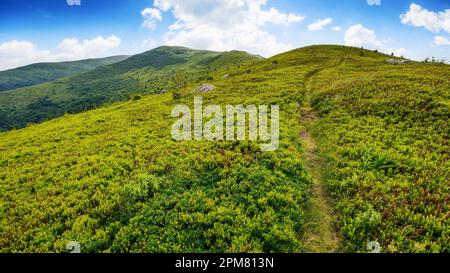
147	73
114	180
385	134
320	231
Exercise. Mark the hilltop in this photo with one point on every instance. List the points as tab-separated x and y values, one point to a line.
369	137
151	72
45	72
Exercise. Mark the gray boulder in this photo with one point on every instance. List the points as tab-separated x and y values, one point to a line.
204	88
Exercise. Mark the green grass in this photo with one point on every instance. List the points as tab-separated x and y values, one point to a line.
44	72
385	133
113	180
151	72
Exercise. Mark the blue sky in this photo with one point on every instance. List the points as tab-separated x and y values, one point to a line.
52	30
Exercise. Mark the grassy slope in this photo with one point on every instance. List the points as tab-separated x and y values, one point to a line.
146	73
113	179
385	133
44	72
320	231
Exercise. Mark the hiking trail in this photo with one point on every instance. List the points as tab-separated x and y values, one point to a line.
320	234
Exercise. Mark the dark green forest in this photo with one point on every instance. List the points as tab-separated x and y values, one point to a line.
45	72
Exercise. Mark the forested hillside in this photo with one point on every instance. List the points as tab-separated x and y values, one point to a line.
113	179
44	72
147	73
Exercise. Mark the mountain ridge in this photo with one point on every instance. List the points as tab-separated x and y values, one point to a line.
149	72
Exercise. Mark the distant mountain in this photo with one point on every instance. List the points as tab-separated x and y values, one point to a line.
44	72
147	73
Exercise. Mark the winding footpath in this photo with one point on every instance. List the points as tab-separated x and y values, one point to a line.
320	232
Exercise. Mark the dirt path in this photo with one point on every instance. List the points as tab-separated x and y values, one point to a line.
320	233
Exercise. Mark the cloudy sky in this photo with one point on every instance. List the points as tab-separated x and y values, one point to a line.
60	30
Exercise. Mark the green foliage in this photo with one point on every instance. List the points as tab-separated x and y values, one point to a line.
137	97
384	131
180	85
149	73
113	180
376	162
44	72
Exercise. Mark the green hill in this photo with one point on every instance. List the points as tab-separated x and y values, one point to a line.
113	180
44	72
148	73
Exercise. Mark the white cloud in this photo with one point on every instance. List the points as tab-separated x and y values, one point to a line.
149	44
150	17
399	52
432	21
359	36
374	2
72	48
226	25
18	53
320	24
337	28
440	40
276	17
